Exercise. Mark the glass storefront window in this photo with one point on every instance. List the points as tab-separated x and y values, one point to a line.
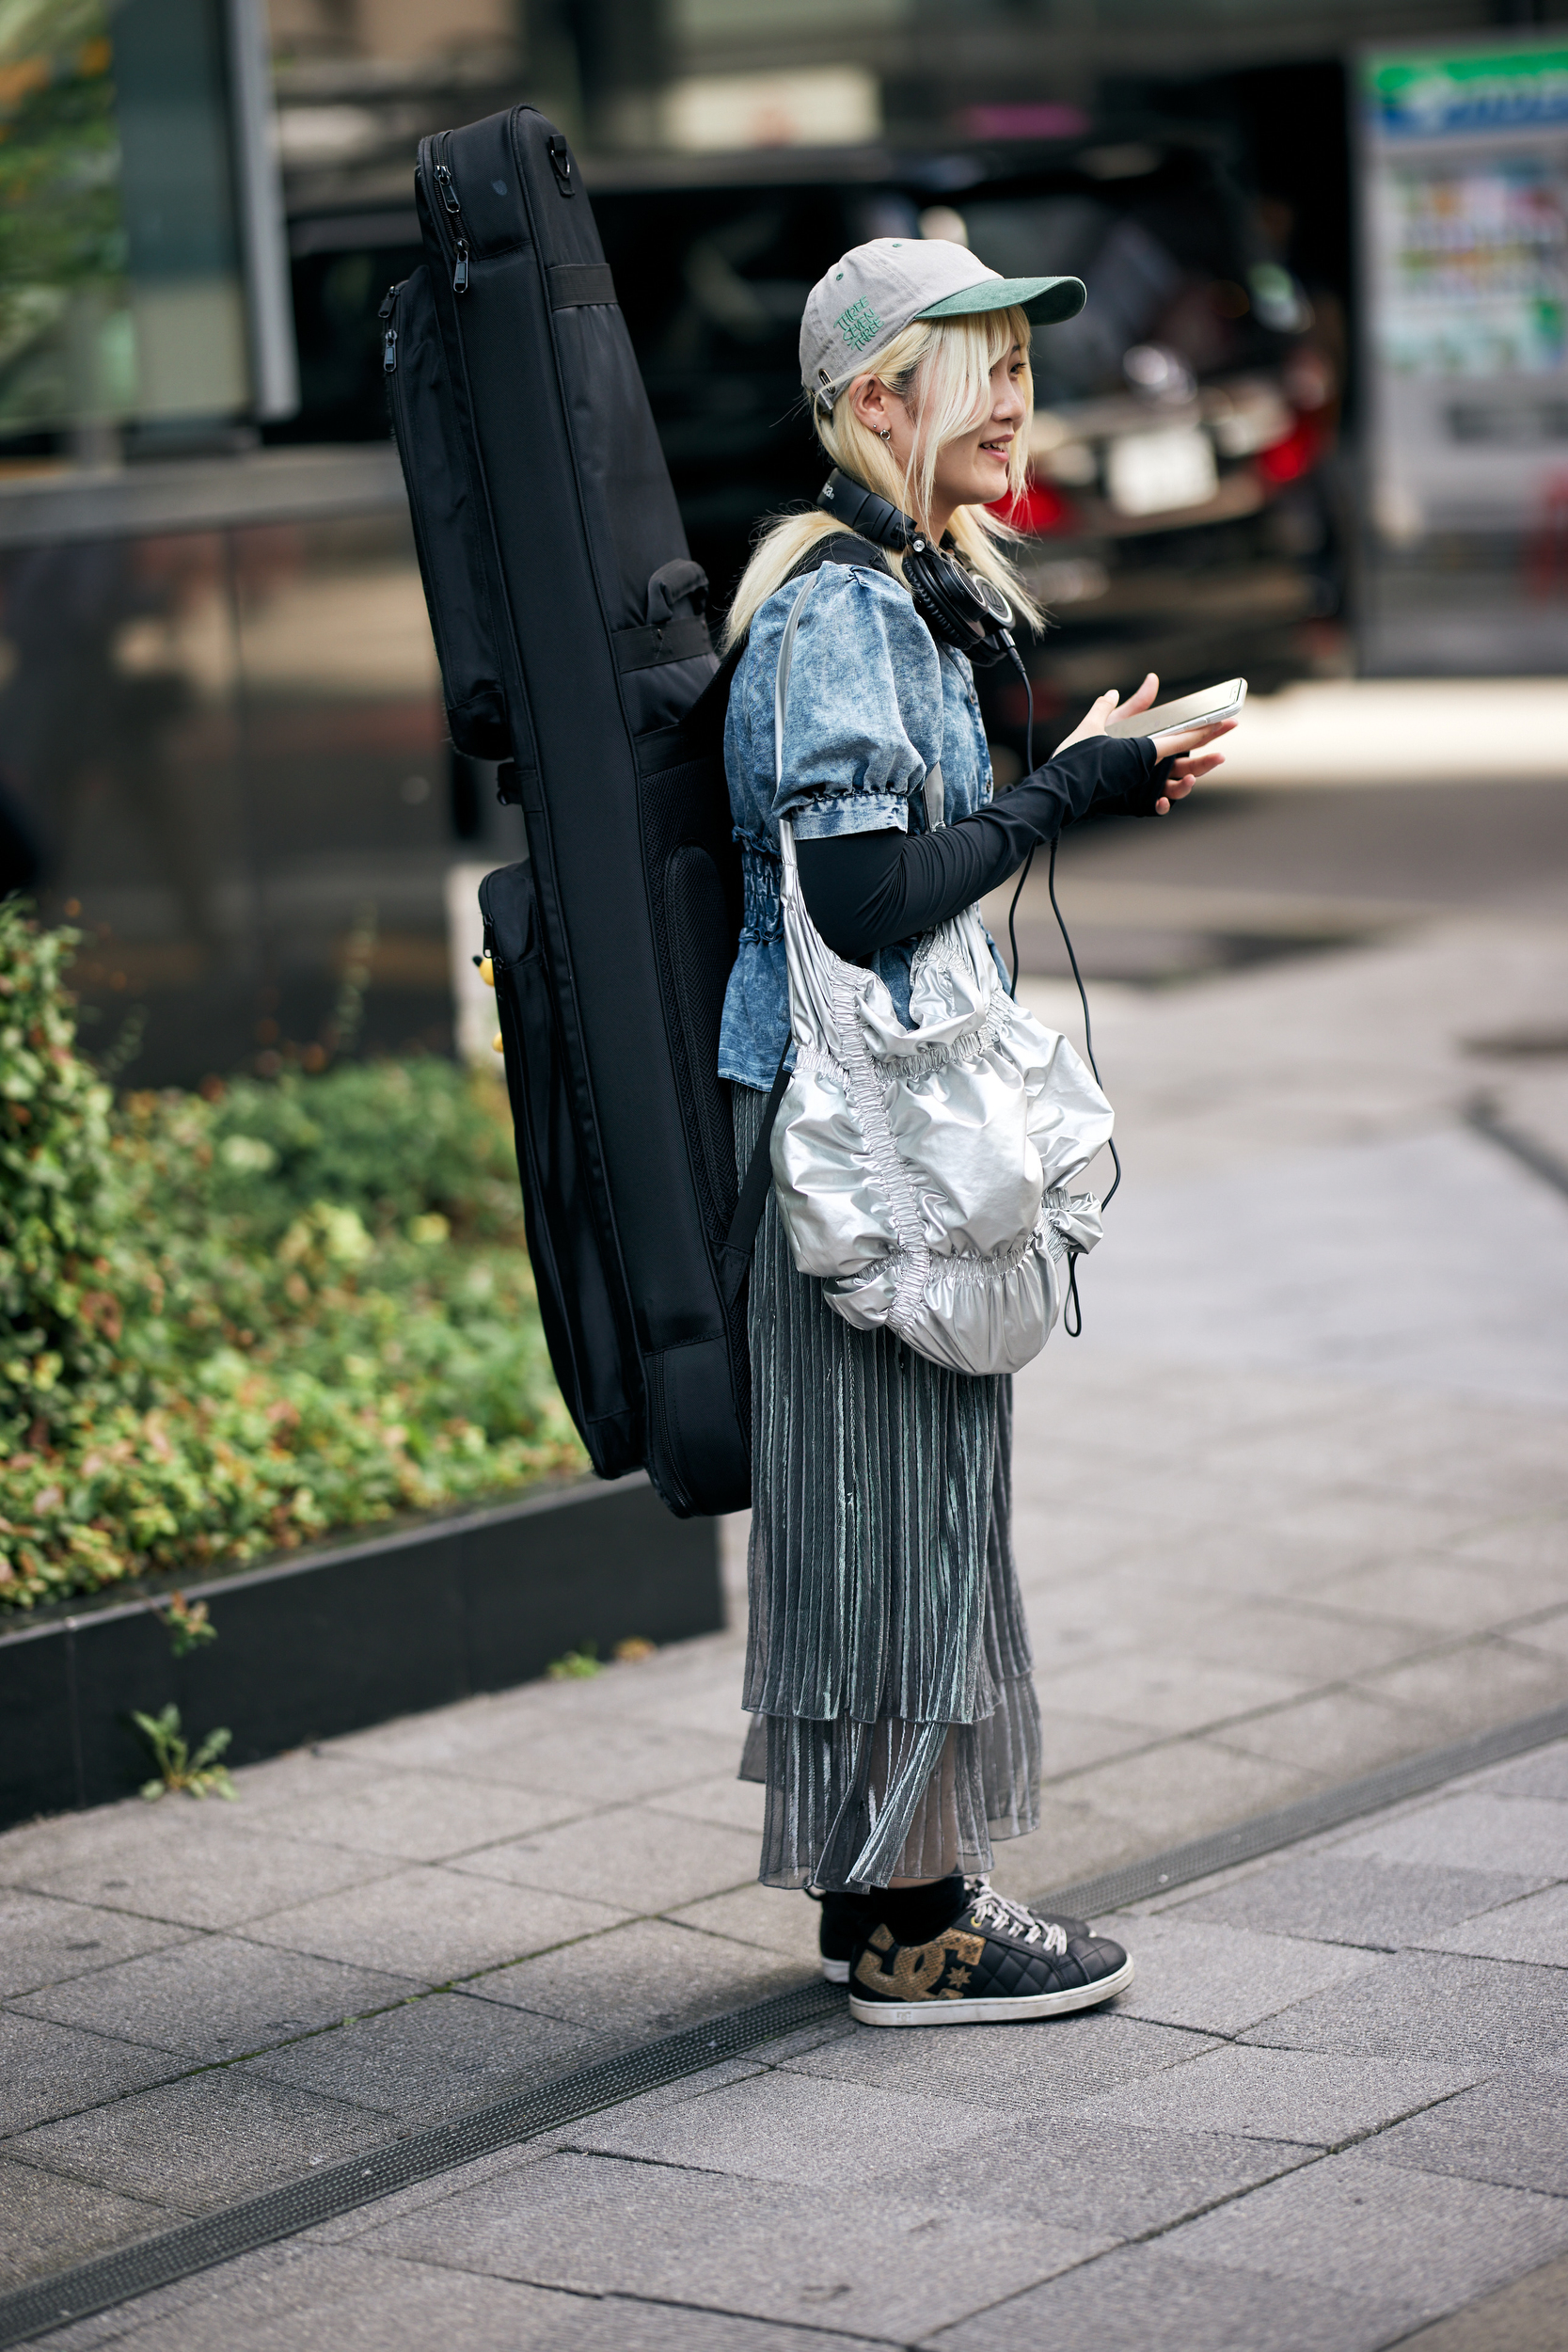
123	277
183	260
223	758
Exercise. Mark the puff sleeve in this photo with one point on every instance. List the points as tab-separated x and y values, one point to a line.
862	715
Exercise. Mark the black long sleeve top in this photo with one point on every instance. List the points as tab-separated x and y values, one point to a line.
867	890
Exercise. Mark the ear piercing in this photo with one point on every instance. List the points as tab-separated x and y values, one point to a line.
884	433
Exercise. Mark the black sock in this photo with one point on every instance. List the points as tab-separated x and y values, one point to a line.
916	1914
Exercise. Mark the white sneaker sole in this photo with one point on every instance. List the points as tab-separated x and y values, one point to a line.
1003	2010
836	1971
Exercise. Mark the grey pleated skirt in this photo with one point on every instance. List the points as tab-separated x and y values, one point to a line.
894	1725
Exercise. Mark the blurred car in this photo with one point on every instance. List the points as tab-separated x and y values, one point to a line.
1176	516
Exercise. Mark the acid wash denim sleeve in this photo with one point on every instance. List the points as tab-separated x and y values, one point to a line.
872	705
862	718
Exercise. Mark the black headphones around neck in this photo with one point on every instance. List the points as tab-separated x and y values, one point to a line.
957	606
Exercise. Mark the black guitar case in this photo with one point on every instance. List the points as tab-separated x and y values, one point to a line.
573	646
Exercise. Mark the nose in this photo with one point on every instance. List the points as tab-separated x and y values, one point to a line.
1010	407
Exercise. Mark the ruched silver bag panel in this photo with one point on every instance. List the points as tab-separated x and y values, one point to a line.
921	1173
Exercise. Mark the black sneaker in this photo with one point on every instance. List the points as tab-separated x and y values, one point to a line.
996	1964
848	1919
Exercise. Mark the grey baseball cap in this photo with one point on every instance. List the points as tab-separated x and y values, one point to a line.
875	290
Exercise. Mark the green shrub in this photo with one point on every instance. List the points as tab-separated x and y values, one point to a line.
66	1274
390	1140
229	1324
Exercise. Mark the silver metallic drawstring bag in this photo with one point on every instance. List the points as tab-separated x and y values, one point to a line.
921	1173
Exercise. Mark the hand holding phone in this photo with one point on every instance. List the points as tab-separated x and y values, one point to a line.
1203	709
1181	729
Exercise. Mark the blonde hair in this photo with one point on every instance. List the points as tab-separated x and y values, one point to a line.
942	368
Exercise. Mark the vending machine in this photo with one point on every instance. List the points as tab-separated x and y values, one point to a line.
1464	185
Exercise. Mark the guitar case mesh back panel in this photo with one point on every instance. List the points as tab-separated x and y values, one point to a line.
549	534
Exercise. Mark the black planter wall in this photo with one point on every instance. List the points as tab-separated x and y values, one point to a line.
347	1635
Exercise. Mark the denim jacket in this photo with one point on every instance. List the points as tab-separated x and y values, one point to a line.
873	703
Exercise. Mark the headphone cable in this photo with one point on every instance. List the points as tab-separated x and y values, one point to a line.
1017	661
1055	909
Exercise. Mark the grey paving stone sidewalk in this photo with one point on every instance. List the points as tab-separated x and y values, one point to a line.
1296	1506
1332	2110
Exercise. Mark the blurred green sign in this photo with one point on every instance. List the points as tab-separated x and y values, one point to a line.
1516	89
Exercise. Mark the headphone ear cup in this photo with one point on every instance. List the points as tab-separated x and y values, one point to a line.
930	604
947	599
958	609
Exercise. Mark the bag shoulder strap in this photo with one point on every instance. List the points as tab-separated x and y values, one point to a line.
736	1252
781	695
835	547
701	728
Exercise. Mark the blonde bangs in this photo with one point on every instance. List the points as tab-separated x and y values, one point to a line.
940	368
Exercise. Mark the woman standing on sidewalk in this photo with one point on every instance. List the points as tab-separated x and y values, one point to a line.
896	1725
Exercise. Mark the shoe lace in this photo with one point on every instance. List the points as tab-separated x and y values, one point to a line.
992	1910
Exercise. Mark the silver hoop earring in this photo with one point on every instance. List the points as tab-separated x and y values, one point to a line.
884	433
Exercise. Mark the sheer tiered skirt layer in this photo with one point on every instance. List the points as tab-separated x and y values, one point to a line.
887	1667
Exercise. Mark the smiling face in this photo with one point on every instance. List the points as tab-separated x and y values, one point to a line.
972	468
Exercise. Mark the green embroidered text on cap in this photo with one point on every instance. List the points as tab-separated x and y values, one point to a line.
858	325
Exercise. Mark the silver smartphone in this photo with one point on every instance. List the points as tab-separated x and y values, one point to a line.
1188	711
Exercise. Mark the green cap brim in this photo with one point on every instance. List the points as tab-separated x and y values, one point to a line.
1046	300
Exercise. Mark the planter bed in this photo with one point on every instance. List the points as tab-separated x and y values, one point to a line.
347	1634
